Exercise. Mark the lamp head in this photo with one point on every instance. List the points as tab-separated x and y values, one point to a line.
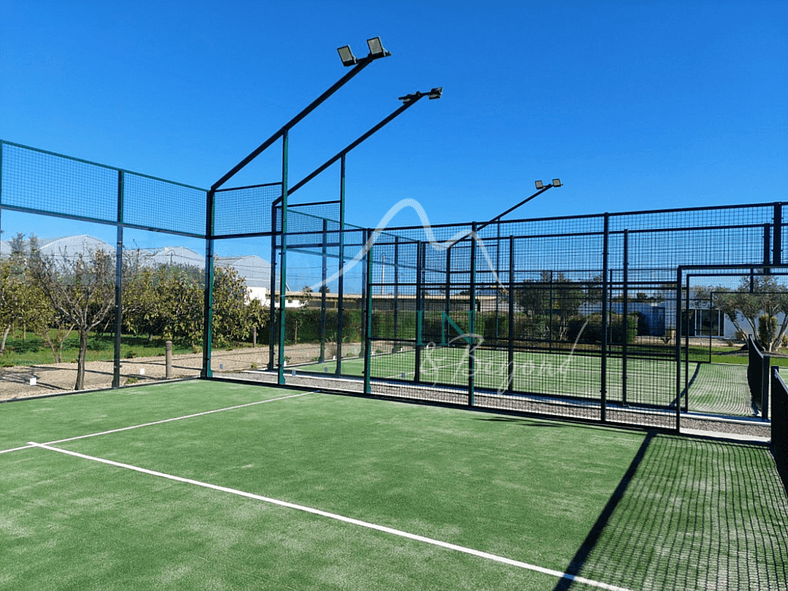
376	48
347	57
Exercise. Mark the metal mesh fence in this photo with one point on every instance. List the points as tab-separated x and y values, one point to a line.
244	210
780	424
577	316
100	267
42	182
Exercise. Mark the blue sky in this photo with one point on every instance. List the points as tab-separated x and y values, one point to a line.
634	105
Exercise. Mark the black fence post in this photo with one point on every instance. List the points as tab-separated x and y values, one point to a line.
510	356
605	303
419	311
341	279
447	303
365	279
118	286
367	319
497	278
677	347
687	345
625	311
323	290
272	293
777	255
472	319
780	424
207	335
396	293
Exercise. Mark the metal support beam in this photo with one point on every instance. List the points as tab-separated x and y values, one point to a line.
118	286
354	144
605	328
283	262
207	336
362	63
367	334
472	319
341	279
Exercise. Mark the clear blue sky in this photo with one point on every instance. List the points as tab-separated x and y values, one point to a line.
634	105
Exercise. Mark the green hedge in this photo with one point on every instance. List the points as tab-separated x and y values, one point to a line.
593	331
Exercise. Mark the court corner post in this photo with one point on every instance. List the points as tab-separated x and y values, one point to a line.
207	336
472	318
368	314
677	347
118	286
283	265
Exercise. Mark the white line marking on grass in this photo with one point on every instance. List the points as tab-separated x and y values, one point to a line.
5	451
199	414
342	518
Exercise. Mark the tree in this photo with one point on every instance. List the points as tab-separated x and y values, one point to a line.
11	300
22	303
164	301
81	290
230	313
549	303
758	301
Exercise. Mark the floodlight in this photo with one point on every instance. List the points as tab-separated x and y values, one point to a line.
557	182
347	57
410	97
539	185
435	93
376	47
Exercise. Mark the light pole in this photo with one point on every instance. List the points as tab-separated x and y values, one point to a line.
376	52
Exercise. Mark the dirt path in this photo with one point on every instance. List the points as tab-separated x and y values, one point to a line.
38	380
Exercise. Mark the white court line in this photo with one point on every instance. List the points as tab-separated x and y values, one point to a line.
350	520
199	414
5	451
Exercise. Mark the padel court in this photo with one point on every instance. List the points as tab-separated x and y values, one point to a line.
208	485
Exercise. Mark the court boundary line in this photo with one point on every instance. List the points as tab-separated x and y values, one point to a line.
350	520
191	416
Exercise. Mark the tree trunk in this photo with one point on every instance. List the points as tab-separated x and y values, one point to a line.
5	336
83	349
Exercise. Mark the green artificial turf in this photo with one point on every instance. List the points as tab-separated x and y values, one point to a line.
628	508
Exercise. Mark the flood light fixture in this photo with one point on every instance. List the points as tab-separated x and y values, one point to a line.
376	48
346	55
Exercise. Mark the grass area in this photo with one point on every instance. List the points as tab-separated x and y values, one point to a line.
30	349
632	509
713	388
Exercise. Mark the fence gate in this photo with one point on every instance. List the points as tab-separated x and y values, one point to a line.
729	320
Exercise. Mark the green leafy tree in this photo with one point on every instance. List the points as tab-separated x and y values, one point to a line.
549	303
230	313
22	303
81	290
756	297
163	301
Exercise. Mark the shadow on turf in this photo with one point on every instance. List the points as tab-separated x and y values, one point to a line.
524	422
579	559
